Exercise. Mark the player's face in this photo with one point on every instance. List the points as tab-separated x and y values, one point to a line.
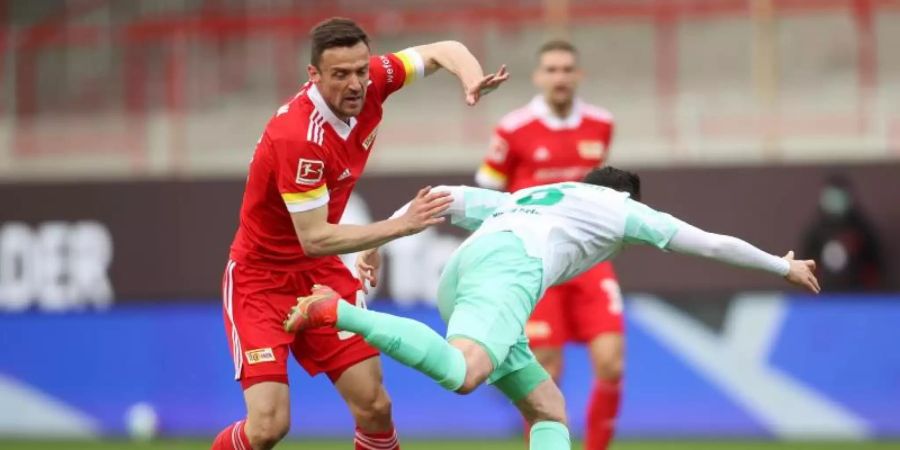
342	78
557	76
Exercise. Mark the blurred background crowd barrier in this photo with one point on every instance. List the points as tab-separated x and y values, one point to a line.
166	87
126	128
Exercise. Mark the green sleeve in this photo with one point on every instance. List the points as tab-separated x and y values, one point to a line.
645	225
479	204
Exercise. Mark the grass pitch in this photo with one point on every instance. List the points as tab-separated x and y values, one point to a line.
451	445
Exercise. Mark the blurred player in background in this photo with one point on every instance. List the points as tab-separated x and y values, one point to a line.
305	166
524	243
557	137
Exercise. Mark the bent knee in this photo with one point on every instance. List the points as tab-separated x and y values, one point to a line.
610	368
372	409
478	369
268	429
474	378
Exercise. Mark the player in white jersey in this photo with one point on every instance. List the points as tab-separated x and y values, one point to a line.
523	243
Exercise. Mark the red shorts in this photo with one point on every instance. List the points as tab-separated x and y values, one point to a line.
255	303
578	310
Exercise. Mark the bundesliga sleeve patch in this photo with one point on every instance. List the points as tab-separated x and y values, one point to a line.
310	171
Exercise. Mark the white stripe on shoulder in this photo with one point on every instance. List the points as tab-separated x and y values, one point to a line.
517	119
310	130
597	113
321	136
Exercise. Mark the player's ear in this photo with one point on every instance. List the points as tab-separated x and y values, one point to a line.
313	72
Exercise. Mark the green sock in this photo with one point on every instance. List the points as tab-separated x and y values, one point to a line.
410	342
548	435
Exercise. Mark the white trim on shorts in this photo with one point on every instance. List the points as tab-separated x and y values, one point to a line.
228	304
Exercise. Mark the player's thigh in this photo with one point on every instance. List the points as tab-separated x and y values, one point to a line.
544	403
253	301
496	289
594	306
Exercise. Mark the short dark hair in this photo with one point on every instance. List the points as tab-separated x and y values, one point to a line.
335	32
618	179
557	45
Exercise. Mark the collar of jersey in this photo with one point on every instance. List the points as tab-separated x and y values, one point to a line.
340	127
540	109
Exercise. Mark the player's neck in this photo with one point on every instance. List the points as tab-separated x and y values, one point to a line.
561	110
341	117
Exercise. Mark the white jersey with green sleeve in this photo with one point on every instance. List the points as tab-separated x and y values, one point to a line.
573	226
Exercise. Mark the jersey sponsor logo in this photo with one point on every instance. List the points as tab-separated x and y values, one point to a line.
344	175
260	355
310	171
541	154
591	149
369	140
388	68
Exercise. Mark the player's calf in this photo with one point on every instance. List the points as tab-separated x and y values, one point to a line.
544	408
368	401
544	403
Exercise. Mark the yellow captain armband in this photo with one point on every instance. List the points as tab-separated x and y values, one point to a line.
413	65
305	201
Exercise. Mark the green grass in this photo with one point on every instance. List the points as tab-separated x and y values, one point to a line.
453	445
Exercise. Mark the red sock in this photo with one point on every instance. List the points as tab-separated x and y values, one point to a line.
386	440
601	415
232	438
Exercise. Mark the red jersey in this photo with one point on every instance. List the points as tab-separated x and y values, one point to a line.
532	146
308	158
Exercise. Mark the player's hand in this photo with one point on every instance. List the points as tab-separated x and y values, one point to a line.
486	85
425	210
367	264
801	273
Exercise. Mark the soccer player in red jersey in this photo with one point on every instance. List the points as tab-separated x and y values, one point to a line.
300	178
557	137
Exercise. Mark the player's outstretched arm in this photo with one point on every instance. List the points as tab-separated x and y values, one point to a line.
320	238
469	207
691	240
457	59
